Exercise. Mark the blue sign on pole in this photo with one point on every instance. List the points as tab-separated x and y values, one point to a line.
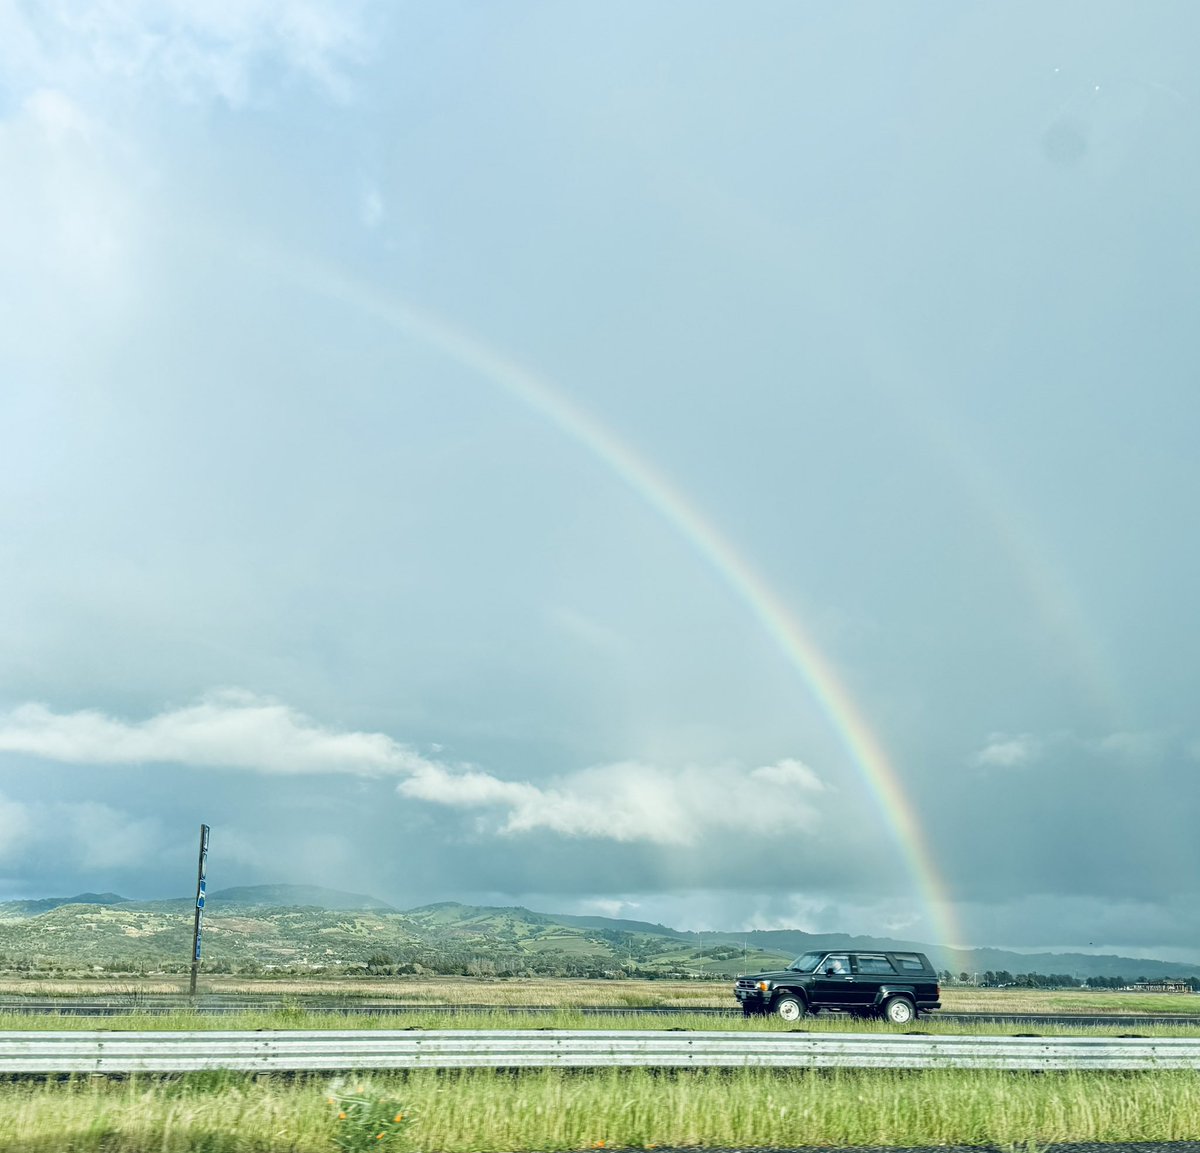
201	886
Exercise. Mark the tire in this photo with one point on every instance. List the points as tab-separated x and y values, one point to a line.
899	1010
789	1007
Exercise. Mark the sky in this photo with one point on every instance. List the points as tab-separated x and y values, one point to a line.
731	466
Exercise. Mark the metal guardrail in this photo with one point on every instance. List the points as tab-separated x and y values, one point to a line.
286	1051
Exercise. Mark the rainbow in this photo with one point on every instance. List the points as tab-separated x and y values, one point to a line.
879	348
1044	578
802	653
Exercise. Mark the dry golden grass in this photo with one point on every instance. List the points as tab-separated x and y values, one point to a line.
499	992
1082	1001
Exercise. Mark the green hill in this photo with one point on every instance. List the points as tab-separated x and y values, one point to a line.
298	896
297	929
45	904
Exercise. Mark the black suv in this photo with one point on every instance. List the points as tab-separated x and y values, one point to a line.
896	986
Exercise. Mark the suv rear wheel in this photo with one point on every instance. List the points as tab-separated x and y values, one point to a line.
899	1010
789	1007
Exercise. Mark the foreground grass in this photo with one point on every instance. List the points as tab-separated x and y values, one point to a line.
485	1111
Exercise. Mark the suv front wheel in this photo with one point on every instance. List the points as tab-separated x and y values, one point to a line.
789	1007
899	1010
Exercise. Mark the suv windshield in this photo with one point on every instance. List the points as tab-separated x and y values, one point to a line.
806	962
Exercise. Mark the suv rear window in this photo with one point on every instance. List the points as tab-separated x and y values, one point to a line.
874	963
910	962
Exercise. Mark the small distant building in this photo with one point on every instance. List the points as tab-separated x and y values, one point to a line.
1166	986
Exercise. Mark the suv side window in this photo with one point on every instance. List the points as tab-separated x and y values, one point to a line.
836	963
910	962
875	963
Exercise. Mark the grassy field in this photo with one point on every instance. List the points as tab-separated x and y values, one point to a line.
515	991
485	1111
578	993
1084	1001
296	1016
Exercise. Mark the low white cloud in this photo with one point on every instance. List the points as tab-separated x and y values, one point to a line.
1007	752
613	907
623	802
229	729
1136	746
632	802
787	774
1129	748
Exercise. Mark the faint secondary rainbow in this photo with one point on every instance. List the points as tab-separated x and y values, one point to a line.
818	675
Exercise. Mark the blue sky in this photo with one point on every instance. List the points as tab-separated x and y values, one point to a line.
376	379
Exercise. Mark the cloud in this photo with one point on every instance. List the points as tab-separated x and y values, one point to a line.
106	838
630	802
16	828
69	219
1007	752
86	835
586	630
230	729
623	802
195	51
612	907
1134	746
371	208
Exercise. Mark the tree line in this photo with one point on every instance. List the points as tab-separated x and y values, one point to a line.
1003	979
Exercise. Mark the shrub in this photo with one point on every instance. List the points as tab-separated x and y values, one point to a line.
364	1118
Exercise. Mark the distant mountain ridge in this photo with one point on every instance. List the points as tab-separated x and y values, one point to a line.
32	908
263	896
299	896
285	924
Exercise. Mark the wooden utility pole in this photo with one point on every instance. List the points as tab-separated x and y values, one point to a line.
201	869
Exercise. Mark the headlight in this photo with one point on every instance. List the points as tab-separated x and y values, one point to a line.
764	986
